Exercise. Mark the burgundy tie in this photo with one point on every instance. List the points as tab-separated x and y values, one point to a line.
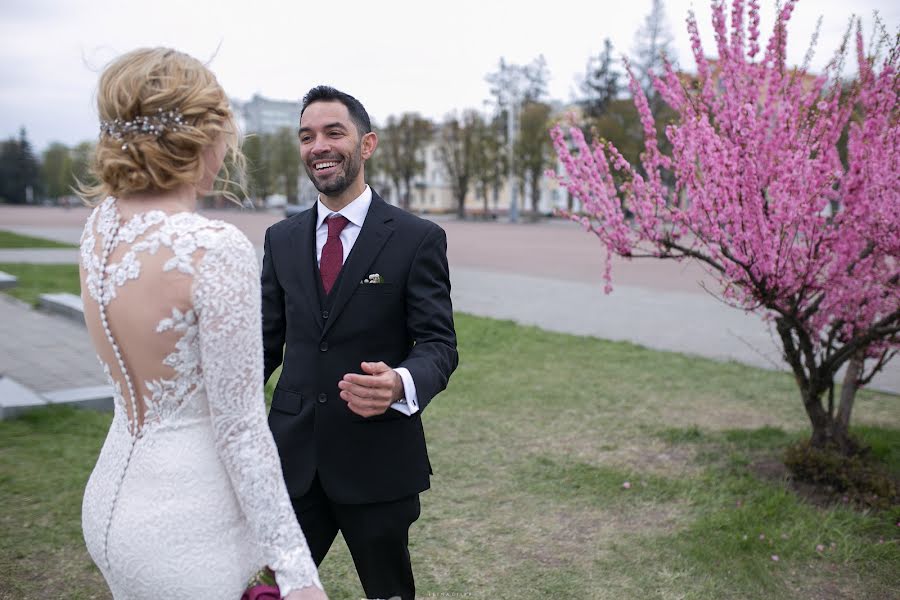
333	252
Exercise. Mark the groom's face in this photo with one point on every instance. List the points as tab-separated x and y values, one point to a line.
330	147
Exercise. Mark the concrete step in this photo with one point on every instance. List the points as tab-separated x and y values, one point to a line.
16	399
7	281
97	397
64	304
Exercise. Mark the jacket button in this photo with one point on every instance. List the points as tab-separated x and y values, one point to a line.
323	398
323	346
324	314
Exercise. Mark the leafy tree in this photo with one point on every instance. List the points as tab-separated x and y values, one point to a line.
9	149
458	148
56	171
283	157
621	125
401	146
375	174
534	150
82	155
258	150
762	199
490	171
19	170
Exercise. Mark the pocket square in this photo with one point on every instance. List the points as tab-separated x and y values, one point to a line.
372	279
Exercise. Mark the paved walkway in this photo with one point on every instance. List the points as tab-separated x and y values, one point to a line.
545	275
673	320
45	352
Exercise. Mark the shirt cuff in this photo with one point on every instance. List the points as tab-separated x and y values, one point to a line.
410	403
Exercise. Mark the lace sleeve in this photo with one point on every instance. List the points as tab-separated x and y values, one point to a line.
227	298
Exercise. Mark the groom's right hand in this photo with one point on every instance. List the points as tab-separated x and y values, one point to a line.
373	393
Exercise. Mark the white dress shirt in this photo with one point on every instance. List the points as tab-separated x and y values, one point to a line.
356	212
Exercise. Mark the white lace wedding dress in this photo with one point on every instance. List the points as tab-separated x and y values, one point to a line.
187	498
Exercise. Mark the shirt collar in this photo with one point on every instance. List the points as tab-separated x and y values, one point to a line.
355	212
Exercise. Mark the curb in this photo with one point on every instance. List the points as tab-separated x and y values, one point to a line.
7	281
17	399
63	304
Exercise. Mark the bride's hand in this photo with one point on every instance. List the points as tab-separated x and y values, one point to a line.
307	593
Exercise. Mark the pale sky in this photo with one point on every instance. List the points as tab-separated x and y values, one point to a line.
394	55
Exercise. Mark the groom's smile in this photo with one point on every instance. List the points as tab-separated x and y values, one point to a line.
324	168
323	165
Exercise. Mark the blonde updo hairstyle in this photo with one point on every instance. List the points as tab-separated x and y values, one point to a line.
145	82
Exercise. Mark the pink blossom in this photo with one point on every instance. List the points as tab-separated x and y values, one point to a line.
762	196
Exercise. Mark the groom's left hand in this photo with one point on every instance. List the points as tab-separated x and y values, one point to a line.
373	393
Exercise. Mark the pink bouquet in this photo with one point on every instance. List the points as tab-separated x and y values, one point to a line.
262	587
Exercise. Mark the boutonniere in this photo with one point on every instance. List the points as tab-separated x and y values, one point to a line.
372	279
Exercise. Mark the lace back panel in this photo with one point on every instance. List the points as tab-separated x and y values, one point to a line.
138	275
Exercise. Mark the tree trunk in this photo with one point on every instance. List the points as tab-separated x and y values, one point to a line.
841	426
461	207
830	430
818	417
406	196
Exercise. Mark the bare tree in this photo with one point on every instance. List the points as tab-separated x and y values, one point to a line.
529	82
458	148
402	143
514	85
652	41
491	167
534	150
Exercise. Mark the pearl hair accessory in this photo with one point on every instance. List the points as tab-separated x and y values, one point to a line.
162	121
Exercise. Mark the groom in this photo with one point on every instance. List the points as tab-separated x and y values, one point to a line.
356	300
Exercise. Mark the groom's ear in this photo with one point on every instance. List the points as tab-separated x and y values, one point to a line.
369	143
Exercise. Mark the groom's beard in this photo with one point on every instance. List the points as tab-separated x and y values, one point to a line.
337	184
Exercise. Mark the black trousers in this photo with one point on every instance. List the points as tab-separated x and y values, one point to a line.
376	534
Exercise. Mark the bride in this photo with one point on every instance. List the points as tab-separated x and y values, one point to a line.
187	498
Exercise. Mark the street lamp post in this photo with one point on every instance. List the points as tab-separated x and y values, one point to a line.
511	118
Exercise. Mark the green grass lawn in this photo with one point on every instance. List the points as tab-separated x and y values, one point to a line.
8	239
531	446
34	280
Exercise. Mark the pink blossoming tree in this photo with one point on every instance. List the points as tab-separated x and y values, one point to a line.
764	200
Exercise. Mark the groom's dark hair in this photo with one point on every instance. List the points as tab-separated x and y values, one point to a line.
326	93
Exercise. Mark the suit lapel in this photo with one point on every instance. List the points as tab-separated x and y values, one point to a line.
374	233
304	246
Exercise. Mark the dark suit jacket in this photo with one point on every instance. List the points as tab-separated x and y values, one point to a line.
406	321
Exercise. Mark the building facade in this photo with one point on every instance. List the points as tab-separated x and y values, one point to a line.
264	115
432	191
